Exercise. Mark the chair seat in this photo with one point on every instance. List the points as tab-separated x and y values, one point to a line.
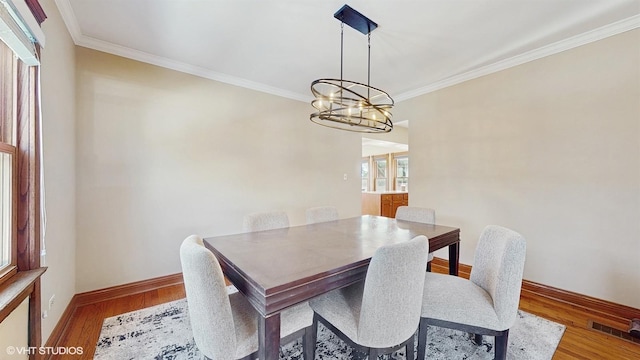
430	257
245	319
458	300
341	308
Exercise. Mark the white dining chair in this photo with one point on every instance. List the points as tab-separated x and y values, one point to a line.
487	303
417	214
225	326
321	214
261	221
380	314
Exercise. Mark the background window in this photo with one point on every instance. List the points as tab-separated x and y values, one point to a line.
6	186
365	175
402	173
381	174
8	86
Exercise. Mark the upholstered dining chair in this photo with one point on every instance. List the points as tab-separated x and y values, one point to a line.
225	326
321	214
380	314
265	221
417	214
487	303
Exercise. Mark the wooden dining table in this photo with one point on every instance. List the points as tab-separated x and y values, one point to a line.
276	269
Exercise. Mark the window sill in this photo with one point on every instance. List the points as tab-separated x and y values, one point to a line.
15	289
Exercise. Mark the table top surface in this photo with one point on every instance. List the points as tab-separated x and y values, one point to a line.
275	259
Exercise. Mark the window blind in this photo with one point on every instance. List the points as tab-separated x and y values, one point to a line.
16	35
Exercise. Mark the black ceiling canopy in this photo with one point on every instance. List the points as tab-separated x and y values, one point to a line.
351	17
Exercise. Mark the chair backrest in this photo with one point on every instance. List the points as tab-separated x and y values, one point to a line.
416	214
321	214
497	268
209	307
392	297
265	221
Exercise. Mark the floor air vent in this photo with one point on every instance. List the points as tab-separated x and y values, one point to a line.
613	332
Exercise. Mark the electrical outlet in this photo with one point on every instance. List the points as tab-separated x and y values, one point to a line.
45	314
344	176
52	300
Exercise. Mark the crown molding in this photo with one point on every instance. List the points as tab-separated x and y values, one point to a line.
69	18
85	41
142	56
551	49
581	39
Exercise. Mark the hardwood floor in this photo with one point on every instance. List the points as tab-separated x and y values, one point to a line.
84	327
578	341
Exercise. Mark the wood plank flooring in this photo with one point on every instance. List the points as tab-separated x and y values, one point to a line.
578	341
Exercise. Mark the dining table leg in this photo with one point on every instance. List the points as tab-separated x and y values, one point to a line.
269	337
454	258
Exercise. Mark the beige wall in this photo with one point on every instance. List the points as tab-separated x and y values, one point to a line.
58	131
551	149
395	140
14	335
398	135
162	155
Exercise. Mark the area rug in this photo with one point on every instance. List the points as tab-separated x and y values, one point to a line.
164	332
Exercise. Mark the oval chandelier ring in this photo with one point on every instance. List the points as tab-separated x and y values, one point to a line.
350	105
357	107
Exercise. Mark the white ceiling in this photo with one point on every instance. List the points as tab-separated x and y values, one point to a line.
279	47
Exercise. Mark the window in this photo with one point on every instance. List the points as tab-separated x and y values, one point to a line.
20	162
381	174
8	89
365	174
402	173
6	210
386	172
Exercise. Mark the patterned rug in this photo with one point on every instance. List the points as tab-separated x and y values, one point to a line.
164	332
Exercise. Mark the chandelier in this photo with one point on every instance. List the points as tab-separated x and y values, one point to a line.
350	105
